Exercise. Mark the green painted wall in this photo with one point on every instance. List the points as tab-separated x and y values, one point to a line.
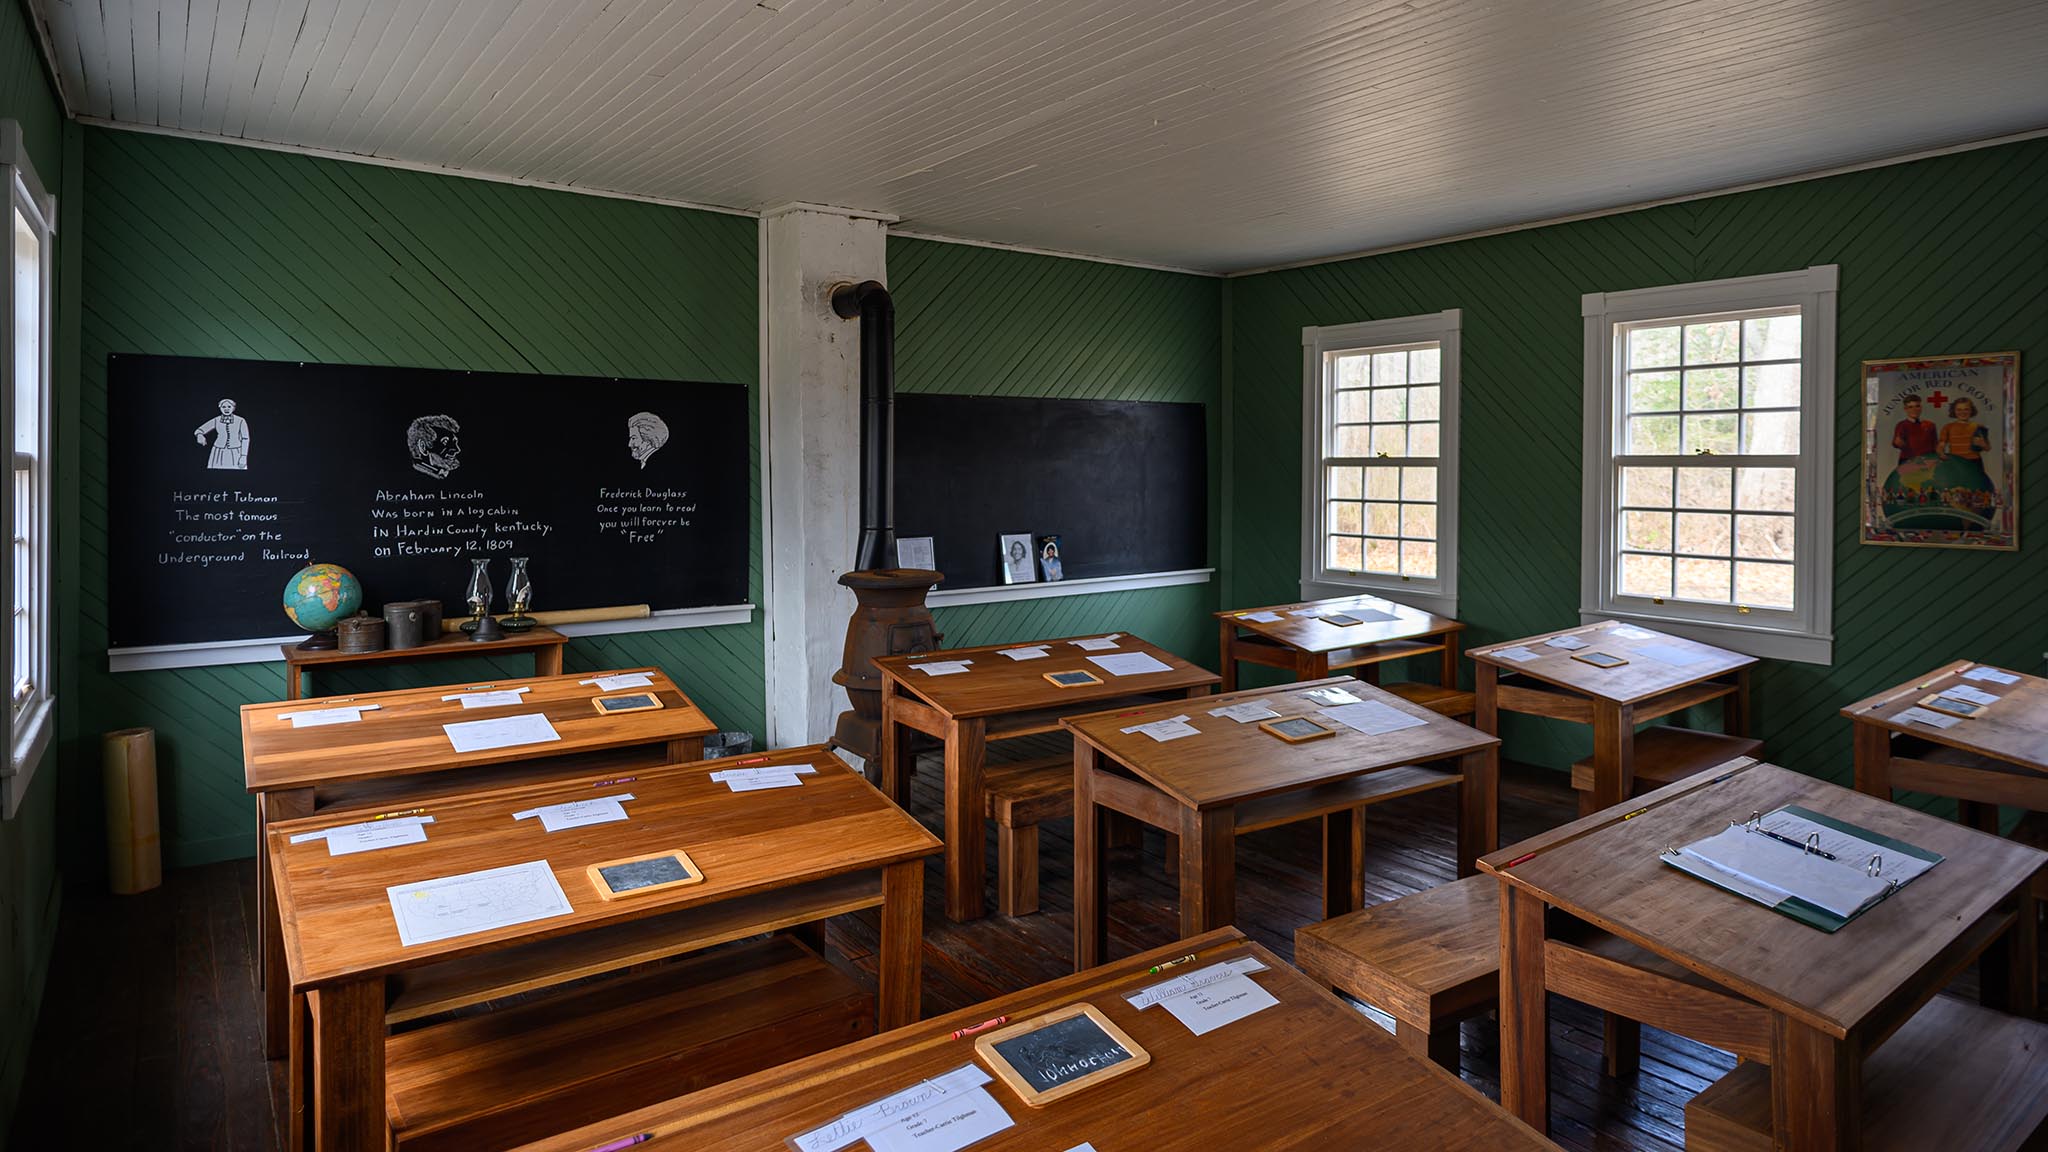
201	249
1938	256
28	854
993	322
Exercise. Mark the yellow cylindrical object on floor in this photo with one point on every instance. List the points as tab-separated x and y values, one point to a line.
134	857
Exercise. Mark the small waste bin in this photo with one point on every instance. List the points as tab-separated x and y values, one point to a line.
128	765
720	744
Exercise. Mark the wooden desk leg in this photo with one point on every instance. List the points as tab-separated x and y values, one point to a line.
548	661
1091	878
2009	972
966	748
1447	672
1816	1091
292	687
1311	665
1735	706
1486	698
1478	807
1873	760
348	1067
893	776
902	959
1524	1009
275	983
1343	862
1225	640
1614	757
1208	869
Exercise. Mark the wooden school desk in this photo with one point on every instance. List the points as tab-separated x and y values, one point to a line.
998	698
1615	700
1823	1000
545	643
398	753
770	859
1309	1072
1999	756
1235	778
1310	648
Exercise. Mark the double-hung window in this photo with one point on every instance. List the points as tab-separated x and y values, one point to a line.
25	425
1380	460
1709	438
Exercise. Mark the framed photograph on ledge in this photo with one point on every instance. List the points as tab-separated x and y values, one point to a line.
1019	566
1941	451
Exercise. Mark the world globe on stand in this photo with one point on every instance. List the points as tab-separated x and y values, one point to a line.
317	597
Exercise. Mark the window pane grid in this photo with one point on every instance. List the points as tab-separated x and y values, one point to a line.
1706	532
1712	385
1384	410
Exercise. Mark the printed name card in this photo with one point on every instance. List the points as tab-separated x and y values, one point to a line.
1171	728
1260	617
1099	643
1568	643
370	835
620	681
941	1114
767	776
943	667
1973	695
494	699
1305	612
321	717
1988	675
505	732
1246	712
1207	999
1034	652
1518	654
579	813
1931	719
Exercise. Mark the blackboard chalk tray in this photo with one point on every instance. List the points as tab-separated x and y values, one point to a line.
639	875
1059	1053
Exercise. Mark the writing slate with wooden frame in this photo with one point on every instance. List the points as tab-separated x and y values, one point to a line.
1599	659
1297	729
638	875
626	702
1074	679
1059	1053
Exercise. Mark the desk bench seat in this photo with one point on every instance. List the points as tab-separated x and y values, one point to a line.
1017	797
1956	1077
519	1074
1666	754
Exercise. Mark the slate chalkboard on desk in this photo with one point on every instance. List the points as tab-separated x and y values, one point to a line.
1124	484
619	491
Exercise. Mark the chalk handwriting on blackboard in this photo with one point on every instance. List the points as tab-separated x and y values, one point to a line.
641	515
409	522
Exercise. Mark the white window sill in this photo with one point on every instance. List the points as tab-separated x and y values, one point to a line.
1762	643
31	741
1435	603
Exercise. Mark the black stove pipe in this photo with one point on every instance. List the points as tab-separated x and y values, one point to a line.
870	301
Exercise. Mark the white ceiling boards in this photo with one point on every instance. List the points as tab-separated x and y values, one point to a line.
1213	134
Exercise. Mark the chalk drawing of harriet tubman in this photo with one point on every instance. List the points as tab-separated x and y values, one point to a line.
230	438
435	445
645	434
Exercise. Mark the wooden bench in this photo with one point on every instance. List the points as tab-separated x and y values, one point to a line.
1437	698
1018	796
1665	754
1955	1077
525	1072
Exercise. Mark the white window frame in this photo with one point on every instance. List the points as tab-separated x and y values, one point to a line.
28	732
1805	634
1440	595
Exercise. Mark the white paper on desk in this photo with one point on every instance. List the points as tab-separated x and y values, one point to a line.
579	813
1973	695
1931	719
1213	1005
503	732
1673	654
1260	617
766	771
1171	728
452	906
1035	652
1848	847
370	835
321	717
763	783
946	1126
943	667
500	698
1166	989
1246	712
890	1110
1130	664
1369	615
622	680
1518	654
1568	643
1099	643
1990	675
1083	1146
1306	612
1372	718
1330	696
1630	632
1839	887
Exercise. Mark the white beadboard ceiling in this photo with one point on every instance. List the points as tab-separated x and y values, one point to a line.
1210	134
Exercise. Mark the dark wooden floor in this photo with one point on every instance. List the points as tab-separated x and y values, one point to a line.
147	1036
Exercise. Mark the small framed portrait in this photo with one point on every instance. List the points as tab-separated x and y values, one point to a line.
1941	451
1049	561
914	552
1018	566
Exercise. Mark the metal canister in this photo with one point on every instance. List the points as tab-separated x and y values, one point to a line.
361	633
430	619
404	624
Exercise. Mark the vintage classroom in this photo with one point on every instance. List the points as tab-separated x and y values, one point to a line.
830	574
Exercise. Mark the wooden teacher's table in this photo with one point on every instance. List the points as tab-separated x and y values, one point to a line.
1231	777
1304	1072
545	643
1810	1003
398	752
1997	756
769	859
1544	676
1302	639
996	698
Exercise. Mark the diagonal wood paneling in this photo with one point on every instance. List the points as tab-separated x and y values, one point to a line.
1942	255
205	250
986	321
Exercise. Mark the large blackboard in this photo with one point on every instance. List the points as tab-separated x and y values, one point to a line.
402	475
1123	484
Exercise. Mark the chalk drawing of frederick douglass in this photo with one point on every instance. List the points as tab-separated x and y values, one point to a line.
645	434
435	444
